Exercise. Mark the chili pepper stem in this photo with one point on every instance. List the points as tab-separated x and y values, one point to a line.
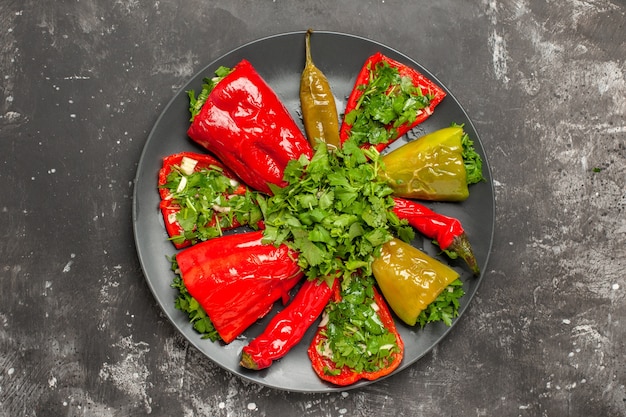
308	45
461	246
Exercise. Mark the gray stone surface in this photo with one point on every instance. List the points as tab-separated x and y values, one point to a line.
83	81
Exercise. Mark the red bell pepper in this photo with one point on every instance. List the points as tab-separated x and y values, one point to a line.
203	161
327	370
236	279
216	218
447	231
244	123
287	327
385	115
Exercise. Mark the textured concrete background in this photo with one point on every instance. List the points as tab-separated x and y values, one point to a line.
83	81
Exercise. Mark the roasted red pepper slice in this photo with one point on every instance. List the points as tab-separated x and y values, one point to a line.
447	231
170	207
288	326
365	77
327	370
245	124
236	279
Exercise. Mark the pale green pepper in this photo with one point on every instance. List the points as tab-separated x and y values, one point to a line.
409	279
429	168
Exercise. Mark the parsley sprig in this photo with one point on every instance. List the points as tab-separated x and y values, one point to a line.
335	212
388	101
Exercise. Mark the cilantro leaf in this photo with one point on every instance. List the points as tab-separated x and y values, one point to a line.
189	305
472	160
445	307
196	103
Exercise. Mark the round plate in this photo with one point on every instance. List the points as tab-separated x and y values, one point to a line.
279	60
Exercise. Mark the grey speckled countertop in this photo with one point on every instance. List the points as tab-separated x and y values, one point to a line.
83	81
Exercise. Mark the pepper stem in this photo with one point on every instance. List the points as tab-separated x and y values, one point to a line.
309	59
461	246
248	362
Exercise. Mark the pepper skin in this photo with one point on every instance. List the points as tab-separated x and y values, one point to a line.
429	168
319	111
363	78
288	326
409	279
236	279
446	231
244	123
170	208
322	363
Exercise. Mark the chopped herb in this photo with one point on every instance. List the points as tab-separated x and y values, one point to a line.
196	103
388	101
472	160
445	307
355	335
209	201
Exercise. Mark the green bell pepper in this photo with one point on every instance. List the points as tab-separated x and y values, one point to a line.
409	279
429	168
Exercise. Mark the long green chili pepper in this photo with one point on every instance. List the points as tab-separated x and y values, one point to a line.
319	111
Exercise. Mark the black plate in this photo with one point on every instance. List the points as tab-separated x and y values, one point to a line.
280	60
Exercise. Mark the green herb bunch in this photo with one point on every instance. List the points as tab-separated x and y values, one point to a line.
335	212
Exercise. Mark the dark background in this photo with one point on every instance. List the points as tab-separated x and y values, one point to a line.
82	84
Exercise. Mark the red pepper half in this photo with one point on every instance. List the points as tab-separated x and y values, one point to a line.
427	87
244	123
170	208
322	364
287	327
204	161
236	279
446	231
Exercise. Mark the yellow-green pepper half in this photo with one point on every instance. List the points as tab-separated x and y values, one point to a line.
409	279
429	168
